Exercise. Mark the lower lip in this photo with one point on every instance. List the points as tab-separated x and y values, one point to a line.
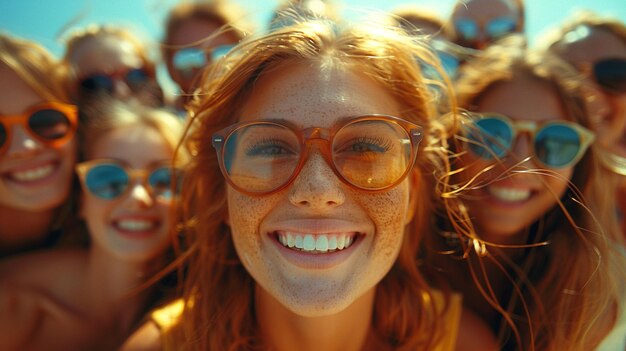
318	261
38	182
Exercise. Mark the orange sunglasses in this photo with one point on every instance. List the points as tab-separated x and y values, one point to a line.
371	153
52	123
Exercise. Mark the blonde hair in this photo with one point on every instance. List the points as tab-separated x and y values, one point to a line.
577	275
83	35
35	66
408	17
219	312
109	114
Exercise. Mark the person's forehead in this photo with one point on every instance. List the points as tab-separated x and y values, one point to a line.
105	54
309	95
588	44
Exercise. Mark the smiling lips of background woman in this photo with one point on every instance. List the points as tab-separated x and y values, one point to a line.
307	74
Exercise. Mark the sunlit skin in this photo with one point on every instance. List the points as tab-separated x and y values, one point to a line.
289	294
503	221
103	216
27	205
194	32
483	11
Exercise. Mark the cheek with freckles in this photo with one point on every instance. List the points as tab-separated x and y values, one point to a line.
388	210
245	214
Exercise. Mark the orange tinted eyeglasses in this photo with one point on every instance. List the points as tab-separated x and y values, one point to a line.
371	153
51	123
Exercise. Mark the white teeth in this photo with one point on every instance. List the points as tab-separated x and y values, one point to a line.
33	174
332	243
509	194
318	243
341	242
309	243
135	225
322	243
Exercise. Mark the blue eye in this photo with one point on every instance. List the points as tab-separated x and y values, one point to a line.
369	144
269	148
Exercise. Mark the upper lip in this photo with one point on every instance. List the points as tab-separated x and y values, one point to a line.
317	226
27	164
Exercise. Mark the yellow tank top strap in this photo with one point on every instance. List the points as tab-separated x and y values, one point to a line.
451	318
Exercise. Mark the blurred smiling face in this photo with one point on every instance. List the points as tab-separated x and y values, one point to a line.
318	245
134	225
33	176
584	47
504	204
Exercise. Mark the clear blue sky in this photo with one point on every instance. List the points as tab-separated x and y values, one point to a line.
42	20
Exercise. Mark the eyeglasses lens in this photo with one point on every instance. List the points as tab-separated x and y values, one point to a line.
490	138
49	124
611	74
107	181
557	145
161	180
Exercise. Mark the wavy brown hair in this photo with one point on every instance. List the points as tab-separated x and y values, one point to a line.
564	291
220	312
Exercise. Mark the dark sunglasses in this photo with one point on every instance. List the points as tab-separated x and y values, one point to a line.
373	152
51	123
468	29
556	144
110	179
610	74
135	78
188	61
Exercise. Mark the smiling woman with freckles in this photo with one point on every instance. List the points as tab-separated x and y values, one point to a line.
308	195
37	146
88	299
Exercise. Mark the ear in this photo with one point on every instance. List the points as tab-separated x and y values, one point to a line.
414	181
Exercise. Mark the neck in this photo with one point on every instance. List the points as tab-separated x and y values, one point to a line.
22	229
284	330
114	287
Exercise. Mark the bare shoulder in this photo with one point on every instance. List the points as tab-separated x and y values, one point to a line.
475	334
44	268
146	338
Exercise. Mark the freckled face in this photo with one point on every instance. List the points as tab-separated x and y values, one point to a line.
504	205
317	202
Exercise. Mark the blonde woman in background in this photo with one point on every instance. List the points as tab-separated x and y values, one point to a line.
37	146
543	271
91	299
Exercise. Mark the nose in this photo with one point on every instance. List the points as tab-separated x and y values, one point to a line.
317	186
121	90
140	196
22	143
522	149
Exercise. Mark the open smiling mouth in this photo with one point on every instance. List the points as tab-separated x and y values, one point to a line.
316	243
